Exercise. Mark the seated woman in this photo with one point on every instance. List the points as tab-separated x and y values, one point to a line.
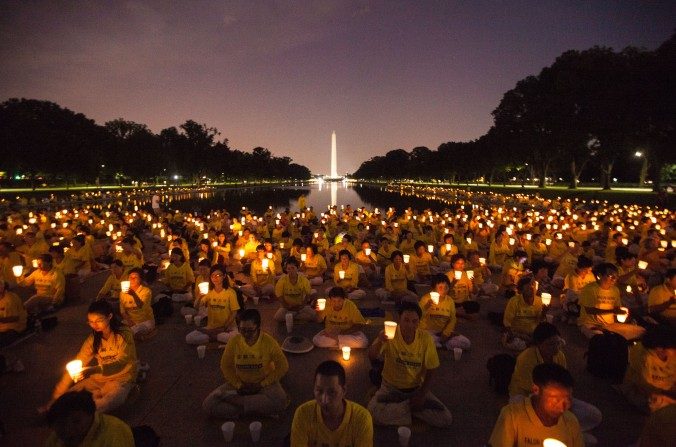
342	321
367	259
652	366
314	265
135	306
462	286
221	250
439	317
512	271
661	300
293	292
203	274
178	276
111	288
108	358
12	315
346	275
573	284
222	307
252	364
523	313
423	262
397	276
50	286
546	348
262	276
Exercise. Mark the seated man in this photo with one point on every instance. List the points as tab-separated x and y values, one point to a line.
252	364
50	286
178	276
314	265
600	302
135	306
75	422
542	415
111	288
439	317
424	264
12	316
346	275
573	285
342	322
652	366
662	300
330	419
397	276
293	292
410	360
547	349
523	312
461	287
262	276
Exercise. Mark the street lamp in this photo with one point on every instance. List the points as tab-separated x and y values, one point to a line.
644	167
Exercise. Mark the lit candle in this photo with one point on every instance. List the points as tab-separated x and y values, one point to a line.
551	442
367	251
546	299
321	303
241	253
430	248
341	274
203	287
628	289
482	261
642	265
512	241
346	352
621	318
470	274
303	257
434	296
35	263
457	274
407	258
124	286
625	241
548	242
281	245
74	368
448	248
17	270
390	329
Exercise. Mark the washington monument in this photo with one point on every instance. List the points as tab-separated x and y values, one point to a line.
334	161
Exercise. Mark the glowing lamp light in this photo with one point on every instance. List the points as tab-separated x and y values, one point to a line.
17	270
448	247
241	253
303	257
457	274
124	286
434	296
407	258
346	352
74	368
625	241
551	442
430	248
628	289
321	303
512	241
546	299
281	245
390	329
664	244
35	263
341	274
548	242
367	251
470	274
19	231
203	287
621	318
642	265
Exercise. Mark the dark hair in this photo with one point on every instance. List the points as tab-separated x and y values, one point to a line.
670	273
337	292
584	262
219	268
660	336
544	331
291	260
396	253
440	278
70	402
204	263
250	315
345	252
523	282
177	251
418	244
137	270
331	368
546	373
103	307
456	257
408	306
128	240
46	257
604	268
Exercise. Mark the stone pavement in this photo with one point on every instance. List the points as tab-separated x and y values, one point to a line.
170	400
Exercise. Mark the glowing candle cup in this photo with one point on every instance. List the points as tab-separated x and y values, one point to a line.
346	352
642	265
546	299
74	368
434	296
321	303
621	318
17	270
407	258
470	274
204	287
390	329
124	286
341	274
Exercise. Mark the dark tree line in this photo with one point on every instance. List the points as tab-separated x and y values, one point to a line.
591	116
43	142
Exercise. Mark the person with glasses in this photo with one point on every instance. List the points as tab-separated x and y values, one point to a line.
136	306
252	364
108	358
600	302
547	344
222	306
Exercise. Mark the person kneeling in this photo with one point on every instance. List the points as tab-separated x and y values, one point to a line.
330	419
410	360
342	320
252	364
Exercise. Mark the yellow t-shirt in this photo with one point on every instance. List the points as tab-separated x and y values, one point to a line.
51	283
567	265
75	260
220	307
129	261
462	288
111	287
345	318
294	294
439	318
646	370
592	295
405	364
397	280
137	314
263	363
11	306
522	317
106	431
522	378
576	282
308	428
660	295
519	426
351	279
421	264
314	266
179	278
261	276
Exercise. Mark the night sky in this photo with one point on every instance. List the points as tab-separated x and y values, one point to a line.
383	74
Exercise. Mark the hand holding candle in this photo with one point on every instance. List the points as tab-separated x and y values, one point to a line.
621	318
17	270
390	329
546	299
203	287
434	296
74	369
124	286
